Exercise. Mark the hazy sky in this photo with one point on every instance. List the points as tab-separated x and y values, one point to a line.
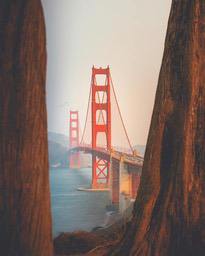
128	35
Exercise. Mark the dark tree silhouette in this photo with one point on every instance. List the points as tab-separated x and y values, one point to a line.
25	219
169	213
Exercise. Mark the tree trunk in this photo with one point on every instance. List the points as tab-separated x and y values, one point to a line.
169	213
25	219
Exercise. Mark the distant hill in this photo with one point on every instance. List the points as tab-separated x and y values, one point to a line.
140	149
58	154
59	138
58	149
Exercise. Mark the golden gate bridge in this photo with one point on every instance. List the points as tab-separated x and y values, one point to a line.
114	168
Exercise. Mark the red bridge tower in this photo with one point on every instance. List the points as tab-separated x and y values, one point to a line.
74	139
101	123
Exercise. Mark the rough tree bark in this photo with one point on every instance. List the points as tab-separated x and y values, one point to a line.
169	213
25	220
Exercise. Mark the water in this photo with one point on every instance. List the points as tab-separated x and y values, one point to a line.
75	210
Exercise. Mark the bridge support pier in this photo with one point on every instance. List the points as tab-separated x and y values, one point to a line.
124	184
115	181
125	191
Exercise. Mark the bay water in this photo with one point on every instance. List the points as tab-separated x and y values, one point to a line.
74	210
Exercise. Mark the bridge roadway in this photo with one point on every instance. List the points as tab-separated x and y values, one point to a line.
134	161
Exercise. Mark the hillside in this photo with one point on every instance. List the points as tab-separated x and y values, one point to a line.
58	154
61	139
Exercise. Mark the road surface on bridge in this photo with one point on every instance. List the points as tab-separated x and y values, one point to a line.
135	161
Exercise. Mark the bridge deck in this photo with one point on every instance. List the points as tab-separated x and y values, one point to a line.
129	159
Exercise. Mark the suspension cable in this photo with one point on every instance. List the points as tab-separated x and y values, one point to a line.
86	120
123	124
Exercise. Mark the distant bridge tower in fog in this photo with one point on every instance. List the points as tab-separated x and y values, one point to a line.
74	159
